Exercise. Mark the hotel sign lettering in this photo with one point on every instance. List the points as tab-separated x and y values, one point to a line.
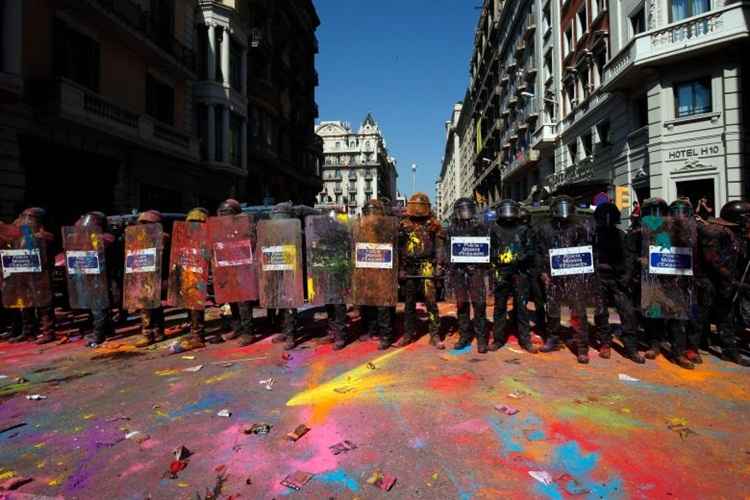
693	153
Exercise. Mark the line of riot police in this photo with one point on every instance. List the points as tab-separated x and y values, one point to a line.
668	278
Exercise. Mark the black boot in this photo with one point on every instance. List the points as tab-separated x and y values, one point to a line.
734	356
633	355
552	344
482	344
385	343
462	343
498	342
528	346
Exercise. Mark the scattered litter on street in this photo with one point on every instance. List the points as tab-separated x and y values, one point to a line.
175	467
371	366
181	453
342	447
543	477
258	429
511	349
12	427
188	358
343	390
14	483
116	419
680	426
268	383
298	432
513	361
627	378
35	397
382	481
571	485
193	369
297	481
224	413
518	394
507	410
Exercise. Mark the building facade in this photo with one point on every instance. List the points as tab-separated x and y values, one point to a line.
449	186
641	97
356	165
140	104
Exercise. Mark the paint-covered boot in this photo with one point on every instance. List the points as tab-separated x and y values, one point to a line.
384	343
436	342
45	338
694	356
463	343
583	357
653	351
735	357
246	339
683	362
290	343
406	340
482	344
146	339
528	346
633	355
159	336
605	351
279	339
552	344
191	342
498	343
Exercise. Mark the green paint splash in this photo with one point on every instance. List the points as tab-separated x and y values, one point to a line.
652	222
599	416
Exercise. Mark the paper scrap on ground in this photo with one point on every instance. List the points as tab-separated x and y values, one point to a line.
543	477
193	369
628	378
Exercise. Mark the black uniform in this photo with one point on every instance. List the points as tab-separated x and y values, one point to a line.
468	284
511	261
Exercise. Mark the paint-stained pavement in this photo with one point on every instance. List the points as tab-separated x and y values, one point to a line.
424	416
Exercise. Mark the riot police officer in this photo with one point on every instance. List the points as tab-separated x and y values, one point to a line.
511	259
467	273
614	268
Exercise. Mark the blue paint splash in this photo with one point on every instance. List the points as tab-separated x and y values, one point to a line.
207	402
339	478
571	459
460	352
536	436
507	435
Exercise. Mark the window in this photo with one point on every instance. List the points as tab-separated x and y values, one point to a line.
581	24
603	132
548	66
219	133
570	95
76	56
586	144
600	59
583	81
692	98
638	22
641	107
159	100
352	187
681	9
201	123
235	139
338	145
235	66
573	152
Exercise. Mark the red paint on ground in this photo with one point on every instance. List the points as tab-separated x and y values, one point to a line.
452	383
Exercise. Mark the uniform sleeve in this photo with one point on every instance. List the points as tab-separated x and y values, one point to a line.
441	240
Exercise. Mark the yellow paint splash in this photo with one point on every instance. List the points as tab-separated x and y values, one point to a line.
310	288
290	254
220	378
507	256
413	244
57	481
166	373
7	475
359	382
89	416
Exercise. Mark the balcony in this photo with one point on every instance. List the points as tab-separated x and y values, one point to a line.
72	102
521	159
583	170
138	29
675	42
531	69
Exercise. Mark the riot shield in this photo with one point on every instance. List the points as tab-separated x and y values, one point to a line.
86	268
26	278
467	273
144	245
235	274
375	274
329	259
280	253
667	284
571	265
188	266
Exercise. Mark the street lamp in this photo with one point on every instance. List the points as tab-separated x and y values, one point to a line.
413	178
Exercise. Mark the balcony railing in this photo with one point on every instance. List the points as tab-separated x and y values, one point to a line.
723	24
73	102
136	18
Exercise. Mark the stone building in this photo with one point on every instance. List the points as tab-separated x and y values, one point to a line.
356	165
138	104
449	187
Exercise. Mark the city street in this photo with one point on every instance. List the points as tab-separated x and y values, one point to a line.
111	419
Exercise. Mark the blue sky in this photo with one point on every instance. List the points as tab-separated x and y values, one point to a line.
405	61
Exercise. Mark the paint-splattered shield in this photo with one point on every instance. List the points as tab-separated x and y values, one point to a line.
188	266
375	276
25	270
234	266
570	263
667	252
329	259
86	268
144	245
280	262
468	260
